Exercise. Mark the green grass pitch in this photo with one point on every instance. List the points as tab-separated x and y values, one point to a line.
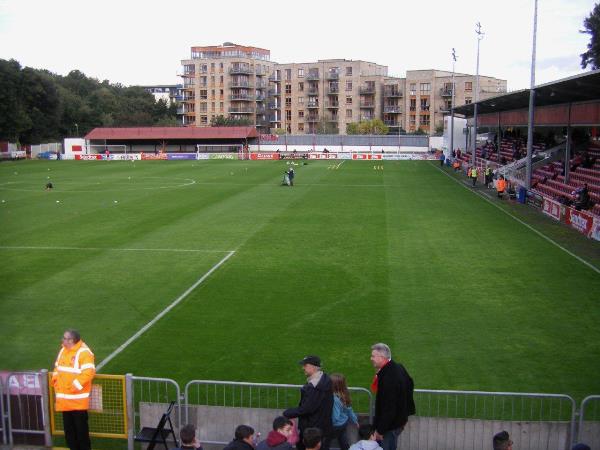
467	297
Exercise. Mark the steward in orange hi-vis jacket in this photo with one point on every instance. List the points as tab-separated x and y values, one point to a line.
72	378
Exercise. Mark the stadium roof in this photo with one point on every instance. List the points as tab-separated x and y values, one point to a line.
171	133
578	88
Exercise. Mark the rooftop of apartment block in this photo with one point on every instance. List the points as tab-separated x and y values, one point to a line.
230	50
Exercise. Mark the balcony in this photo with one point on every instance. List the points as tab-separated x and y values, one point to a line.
331	118
240	84
392	93
424	107
333	90
392	109
261	84
275	78
241	97
260	98
245	70
367	105
240	110
312	105
446	92
366	117
274	106
312	91
391	123
413	108
260	110
260	72
333	75
263	124
367	90
274	119
332	105
444	110
312	118
186	74
181	110
312	76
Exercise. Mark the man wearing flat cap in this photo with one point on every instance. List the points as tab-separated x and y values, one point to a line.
502	441
316	402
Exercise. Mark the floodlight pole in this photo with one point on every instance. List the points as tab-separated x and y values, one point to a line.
531	102
452	105
474	146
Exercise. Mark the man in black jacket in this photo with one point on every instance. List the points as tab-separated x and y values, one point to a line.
316	402
394	402
244	439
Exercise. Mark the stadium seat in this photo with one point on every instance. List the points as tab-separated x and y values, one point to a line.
160	434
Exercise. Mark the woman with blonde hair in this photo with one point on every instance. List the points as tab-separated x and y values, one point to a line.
342	413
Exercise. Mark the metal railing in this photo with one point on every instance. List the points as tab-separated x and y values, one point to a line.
3	415
147	390
468	419
589	421
257	403
27	408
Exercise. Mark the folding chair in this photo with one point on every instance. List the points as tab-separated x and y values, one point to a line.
160	433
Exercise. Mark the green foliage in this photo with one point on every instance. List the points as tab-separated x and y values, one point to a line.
326	127
439	129
39	106
222	121
278	131
374	126
592	27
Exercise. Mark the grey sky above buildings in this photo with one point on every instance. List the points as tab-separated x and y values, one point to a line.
143	42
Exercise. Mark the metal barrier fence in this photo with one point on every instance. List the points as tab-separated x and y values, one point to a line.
142	394
26	408
3	415
468	420
254	403
348	140
589	421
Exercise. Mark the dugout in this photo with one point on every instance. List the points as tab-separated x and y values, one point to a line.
169	139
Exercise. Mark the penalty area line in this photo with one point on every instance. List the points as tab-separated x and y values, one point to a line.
163	312
183	250
539	233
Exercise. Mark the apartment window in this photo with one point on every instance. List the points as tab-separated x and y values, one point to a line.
203	120
203	95
221	92
288	74
212	67
204	68
424	104
288	116
301	86
348	85
412	121
348	100
212	93
300	127
468	100
221	106
348	114
212	106
348	71
300	73
300	100
425	88
221	80
288	102
221	66
203	81
424	120
212	80
288	88
203	107
413	88
413	104
448	104
301	114
468	85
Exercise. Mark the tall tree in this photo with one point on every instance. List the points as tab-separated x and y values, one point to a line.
592	27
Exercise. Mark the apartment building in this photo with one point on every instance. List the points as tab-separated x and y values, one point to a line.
318	97
225	80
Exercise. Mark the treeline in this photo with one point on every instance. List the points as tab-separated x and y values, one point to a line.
38	106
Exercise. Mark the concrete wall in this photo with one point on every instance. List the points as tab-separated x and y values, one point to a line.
217	424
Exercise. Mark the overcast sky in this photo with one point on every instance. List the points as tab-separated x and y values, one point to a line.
143	42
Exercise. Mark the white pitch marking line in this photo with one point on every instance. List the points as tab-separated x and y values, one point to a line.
163	312
539	233
9	247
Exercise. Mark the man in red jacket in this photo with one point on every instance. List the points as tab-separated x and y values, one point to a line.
394	402
74	371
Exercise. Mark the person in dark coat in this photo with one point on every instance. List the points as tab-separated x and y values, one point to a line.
394	401
244	439
316	402
278	436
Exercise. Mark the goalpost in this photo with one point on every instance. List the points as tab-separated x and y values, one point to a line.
101	149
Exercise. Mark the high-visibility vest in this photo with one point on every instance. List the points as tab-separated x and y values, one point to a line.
500	185
474	173
74	371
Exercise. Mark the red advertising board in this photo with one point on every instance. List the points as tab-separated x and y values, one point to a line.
76	148
88	157
551	208
579	220
21	383
263	156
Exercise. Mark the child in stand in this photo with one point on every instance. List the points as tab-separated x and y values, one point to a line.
368	441
342	413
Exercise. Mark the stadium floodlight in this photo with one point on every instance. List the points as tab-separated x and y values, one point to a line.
531	101
452	103
479	38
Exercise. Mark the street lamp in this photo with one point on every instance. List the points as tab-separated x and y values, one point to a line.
474	146
452	104
76	130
